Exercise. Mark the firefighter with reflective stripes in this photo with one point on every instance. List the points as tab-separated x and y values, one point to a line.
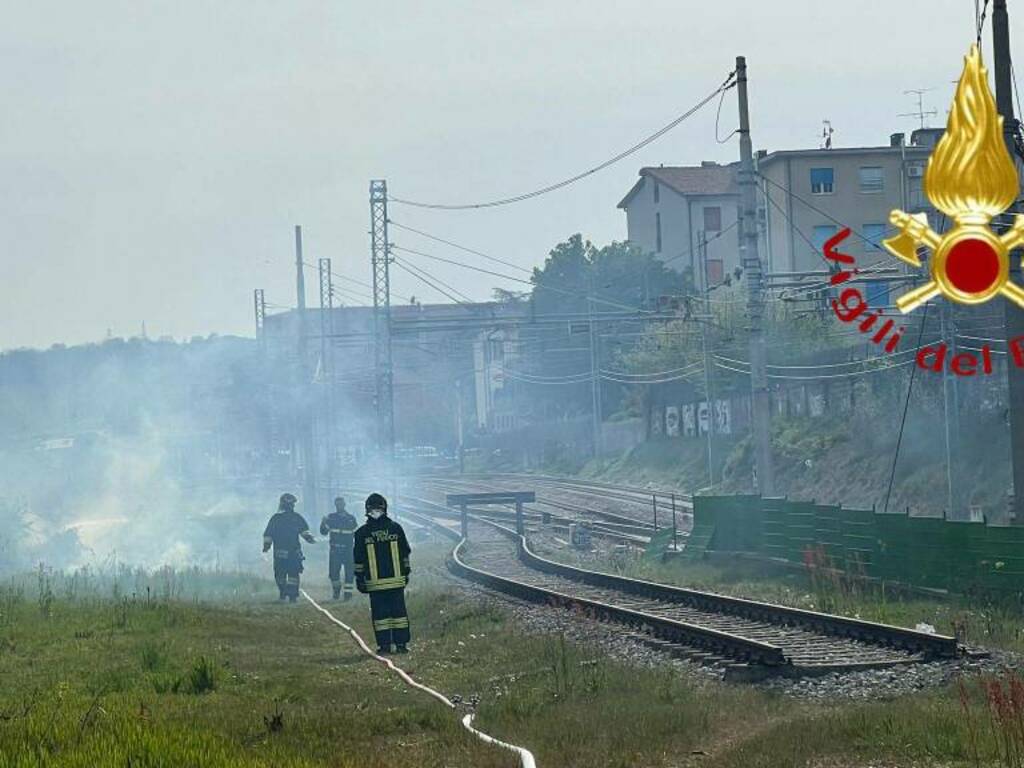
381	554
282	533
340	526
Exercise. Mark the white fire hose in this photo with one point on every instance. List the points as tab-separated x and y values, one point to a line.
525	757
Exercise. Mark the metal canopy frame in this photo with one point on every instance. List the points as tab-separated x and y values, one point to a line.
466	500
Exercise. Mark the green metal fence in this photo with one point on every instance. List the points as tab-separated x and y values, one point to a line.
963	557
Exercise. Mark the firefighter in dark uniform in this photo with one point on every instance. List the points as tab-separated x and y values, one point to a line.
381	555
340	526
283	532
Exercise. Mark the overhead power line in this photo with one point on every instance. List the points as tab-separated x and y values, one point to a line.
729	82
465	248
513	278
425	278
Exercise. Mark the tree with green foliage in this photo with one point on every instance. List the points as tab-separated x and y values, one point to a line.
619	275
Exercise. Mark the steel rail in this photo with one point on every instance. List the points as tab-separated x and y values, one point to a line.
935	646
712	640
721	643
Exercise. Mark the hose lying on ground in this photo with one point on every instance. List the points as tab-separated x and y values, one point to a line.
525	756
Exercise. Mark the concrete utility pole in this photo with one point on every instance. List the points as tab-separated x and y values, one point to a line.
709	361
761	404
305	421
1013	315
595	373
947	412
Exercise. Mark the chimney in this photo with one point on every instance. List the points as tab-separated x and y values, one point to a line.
761	154
895	139
708	164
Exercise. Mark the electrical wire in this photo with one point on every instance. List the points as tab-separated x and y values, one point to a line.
435	279
820	377
652	374
718	114
408	269
503	262
530	379
726	84
813	207
691	249
903	420
574	294
816	250
1000	352
365	297
821	366
980	338
338	288
461	247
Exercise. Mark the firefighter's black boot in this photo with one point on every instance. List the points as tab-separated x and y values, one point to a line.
401	648
384	650
336	593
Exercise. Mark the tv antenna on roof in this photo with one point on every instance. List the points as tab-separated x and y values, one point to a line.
921	114
826	134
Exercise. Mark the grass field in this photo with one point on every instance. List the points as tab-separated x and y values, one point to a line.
201	669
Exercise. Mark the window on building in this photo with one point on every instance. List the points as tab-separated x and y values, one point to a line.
657	191
873	234
822	233
915	195
871	178
822	181
657	233
713	219
715	272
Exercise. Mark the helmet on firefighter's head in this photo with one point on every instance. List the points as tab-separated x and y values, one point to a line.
376	505
287	501
339	503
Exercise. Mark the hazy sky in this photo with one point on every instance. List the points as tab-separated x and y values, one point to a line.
154	156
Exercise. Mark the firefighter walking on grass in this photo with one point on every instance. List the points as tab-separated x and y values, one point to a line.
340	526
381	554
283	532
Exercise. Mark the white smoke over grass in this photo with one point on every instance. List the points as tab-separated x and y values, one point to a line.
138	511
146	516
133	452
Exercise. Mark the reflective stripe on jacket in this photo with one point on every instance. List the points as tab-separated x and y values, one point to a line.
381	554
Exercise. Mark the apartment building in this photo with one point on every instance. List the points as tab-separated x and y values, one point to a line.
804	196
681	213
807	195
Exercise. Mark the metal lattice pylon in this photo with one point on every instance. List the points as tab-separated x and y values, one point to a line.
260	310
327	368
380	259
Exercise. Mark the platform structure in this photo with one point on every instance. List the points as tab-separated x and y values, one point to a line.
466	500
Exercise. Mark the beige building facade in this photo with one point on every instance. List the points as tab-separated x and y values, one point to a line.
808	195
687	217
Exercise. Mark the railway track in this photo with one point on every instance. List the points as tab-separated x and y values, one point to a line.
747	639
630	512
